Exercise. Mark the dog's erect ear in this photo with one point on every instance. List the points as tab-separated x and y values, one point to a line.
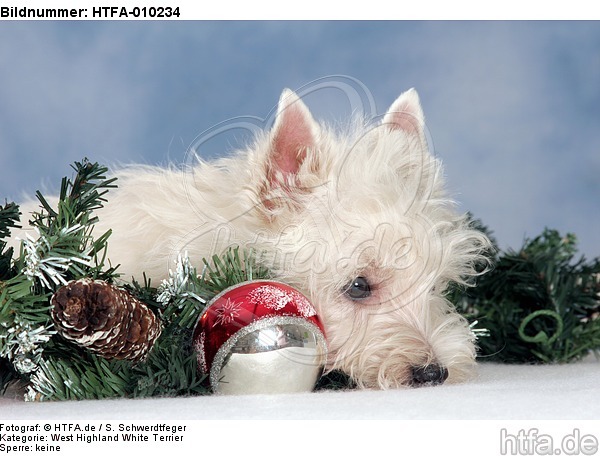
294	132
406	113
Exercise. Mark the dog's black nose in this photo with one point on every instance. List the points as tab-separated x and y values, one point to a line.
430	375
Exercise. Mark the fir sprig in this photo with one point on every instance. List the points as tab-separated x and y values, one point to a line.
78	199
9	218
67	229
170	370
540	304
63	249
233	268
83	377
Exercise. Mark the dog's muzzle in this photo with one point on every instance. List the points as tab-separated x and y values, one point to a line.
430	375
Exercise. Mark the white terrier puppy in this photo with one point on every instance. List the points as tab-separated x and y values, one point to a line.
359	222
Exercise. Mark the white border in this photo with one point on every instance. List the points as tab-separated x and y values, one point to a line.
338	10
312	437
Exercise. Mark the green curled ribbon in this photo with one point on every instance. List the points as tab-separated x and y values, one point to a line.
541	337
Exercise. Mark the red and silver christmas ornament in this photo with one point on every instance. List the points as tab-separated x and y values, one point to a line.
260	337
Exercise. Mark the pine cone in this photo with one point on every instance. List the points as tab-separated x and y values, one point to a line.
104	319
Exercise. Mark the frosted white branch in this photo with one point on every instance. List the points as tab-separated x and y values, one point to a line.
50	268
25	345
177	285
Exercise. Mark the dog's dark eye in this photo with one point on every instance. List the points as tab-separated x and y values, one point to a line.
358	289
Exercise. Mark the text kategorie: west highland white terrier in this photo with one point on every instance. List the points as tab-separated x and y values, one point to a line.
359	221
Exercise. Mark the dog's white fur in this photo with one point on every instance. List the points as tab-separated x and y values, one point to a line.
326	207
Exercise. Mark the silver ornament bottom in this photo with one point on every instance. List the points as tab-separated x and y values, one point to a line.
270	356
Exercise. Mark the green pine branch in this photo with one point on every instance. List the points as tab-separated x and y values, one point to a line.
77	378
540	304
68	227
78	199
62	249
171	369
9	218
